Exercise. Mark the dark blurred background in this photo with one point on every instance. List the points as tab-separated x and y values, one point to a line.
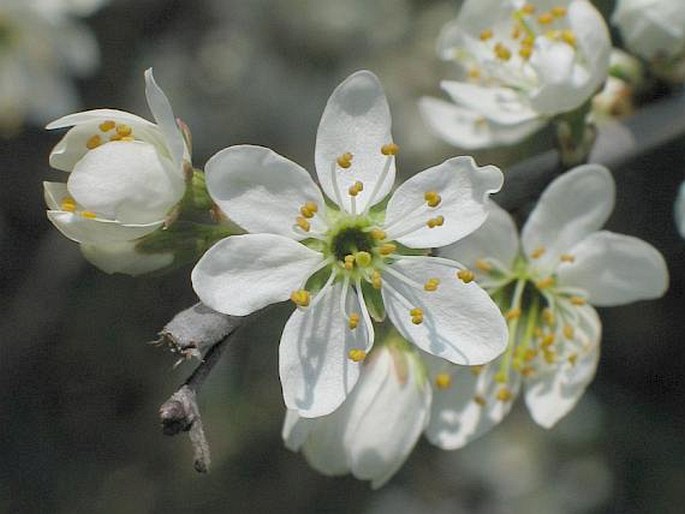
79	431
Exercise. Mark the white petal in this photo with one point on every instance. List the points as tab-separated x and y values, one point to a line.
460	321
54	193
464	188
497	238
98	230
498	104
615	269
262	191
554	64
242	274
552	394
124	258
456	417
385	422
126	181
573	206
468	129
164	115
316	373
356	120
593	39
296	429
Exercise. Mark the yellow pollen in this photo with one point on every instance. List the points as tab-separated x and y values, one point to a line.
504	394
356	188
68	204
501	377
363	259
486	35
124	130
89	215
378	234
512	314
537	331
93	142
387	248
572	359
547	341
528	41
443	381
527	371
525	51
356	355
578	300
566	257
431	284
438	221
345	160
483	265
479	400
548	316
376	279
106	125
568	331
567	36
474	73
349	262
308	209
550	356
545	18
559	11
353	321
529	354
465	275
127	138
390	149
476	370
516	31
528	9
502	52
416	315
538	252
545	283
432	198
300	297
303	223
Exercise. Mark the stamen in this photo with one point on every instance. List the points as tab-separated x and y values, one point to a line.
545	18
89	215
474	73
548	316
547	341
567	36
465	275
349	262
387	248
529	354
363	259
334	181
550	356
431	284
545	283
308	209
486	35
93	142
483	265
513	314
527	371
303	223
356	355
528	9
443	381
390	149
479	400
124	130
501	377
568	331
356	188
353	320
504	394
525	51
538	252
578	300
378	234
572	358
438	221
416	315
502	52
300	297
559	11
432	198
345	160
477	370
68	204
566	257
106	125
376	279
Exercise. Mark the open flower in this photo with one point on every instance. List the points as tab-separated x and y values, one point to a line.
522	63
347	260
546	286
125	175
372	433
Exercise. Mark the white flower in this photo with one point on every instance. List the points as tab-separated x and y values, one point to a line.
545	285
125	175
522	64
372	433
653	29
341	262
679	210
41	47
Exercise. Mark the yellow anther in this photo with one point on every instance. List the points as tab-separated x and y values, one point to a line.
378	234
528	41
68	204
127	138
504	394
528	9
431	284
308	209
356	188
572	358
525	51
390	149
553	35
477	370
545	282
106	125
353	321
538	252
548	316
93	142
513	314
300	297
545	18
479	400
356	355
502	52
387	248
549	356
303	223
438	221
529	354
567	36
311	206
443	380
376	279
578	300
547	341
527	371
474	73
537	331
363	259
124	130
567	257
501	377
486	35
345	160
516	31
432	198
89	215
349	262
465	275
483	265
559	11
568	331
416	315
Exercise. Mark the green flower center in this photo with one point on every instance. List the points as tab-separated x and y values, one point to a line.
349	240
